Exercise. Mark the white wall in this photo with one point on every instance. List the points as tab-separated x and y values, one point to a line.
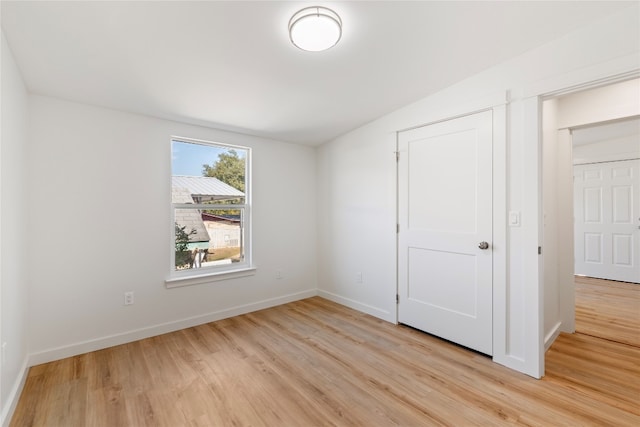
13	232
357	200
608	150
610	102
99	223
356	220
557	205
564	238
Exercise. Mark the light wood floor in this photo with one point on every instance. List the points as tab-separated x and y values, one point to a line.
608	309
316	363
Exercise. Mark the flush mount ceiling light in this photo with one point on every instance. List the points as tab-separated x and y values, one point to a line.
315	28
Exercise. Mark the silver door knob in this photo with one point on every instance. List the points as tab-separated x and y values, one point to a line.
483	245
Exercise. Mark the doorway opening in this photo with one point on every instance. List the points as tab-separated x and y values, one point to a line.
588	136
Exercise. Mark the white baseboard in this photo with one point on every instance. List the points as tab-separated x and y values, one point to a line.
14	395
356	305
150	331
552	335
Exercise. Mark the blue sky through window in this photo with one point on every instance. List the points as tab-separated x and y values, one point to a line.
187	158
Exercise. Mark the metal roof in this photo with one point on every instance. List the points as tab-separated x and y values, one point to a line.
205	188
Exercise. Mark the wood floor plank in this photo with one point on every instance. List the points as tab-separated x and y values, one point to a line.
317	363
608	309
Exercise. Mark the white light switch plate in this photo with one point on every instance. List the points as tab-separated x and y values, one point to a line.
514	218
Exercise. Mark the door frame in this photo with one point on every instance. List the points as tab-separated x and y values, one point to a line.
498	104
532	126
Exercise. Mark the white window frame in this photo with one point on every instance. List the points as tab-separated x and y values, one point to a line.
220	272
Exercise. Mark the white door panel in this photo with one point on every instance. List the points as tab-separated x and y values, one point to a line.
445	211
607	217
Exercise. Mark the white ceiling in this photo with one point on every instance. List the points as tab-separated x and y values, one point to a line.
230	64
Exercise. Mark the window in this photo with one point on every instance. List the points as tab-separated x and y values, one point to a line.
210	208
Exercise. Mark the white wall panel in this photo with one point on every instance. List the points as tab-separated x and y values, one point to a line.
16	250
100	204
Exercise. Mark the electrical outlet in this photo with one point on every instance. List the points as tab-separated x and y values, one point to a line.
359	277
279	274
4	352
128	298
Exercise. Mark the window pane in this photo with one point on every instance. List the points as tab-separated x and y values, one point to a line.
204	239
204	173
208	193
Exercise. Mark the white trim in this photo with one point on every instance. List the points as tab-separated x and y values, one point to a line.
163	328
208	277
618	157
14	395
207	142
474	106
532	274
601	74
396	201
356	305
552	335
499	240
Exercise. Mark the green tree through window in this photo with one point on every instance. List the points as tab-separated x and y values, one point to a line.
229	168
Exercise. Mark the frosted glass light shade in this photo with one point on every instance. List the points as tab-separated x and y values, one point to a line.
315	28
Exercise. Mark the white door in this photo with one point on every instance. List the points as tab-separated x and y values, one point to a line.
445	217
607	217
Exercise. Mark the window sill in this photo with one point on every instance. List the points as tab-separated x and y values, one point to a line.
198	279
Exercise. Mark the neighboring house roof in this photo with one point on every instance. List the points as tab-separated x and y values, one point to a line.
204	189
198	189
180	195
191	220
219	218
